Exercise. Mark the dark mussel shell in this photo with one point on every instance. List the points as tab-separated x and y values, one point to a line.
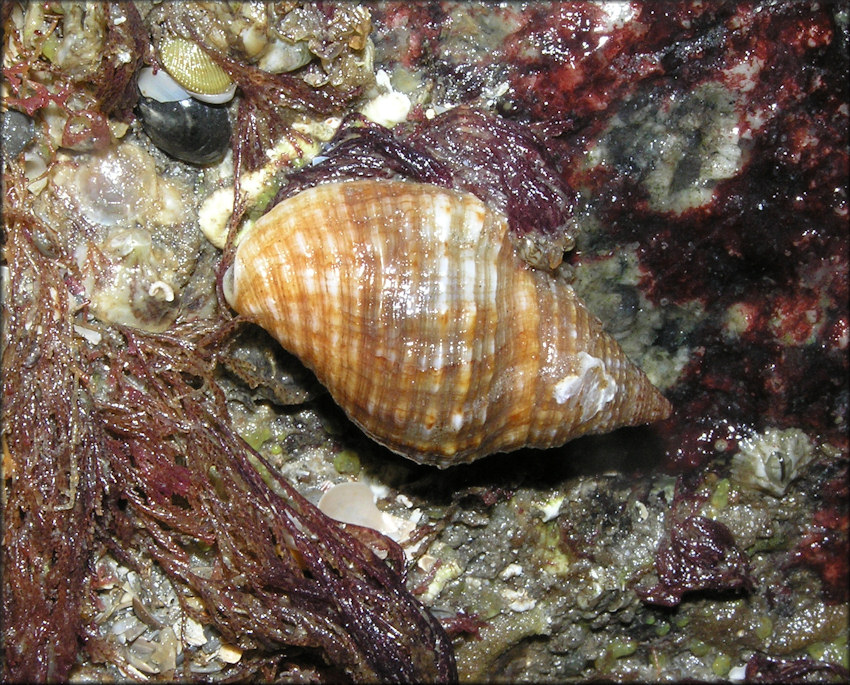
18	131
188	129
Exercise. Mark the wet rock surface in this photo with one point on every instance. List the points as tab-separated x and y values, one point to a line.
720	158
707	147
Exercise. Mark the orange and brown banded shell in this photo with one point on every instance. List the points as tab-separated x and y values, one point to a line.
409	303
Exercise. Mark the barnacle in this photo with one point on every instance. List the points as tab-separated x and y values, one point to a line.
771	460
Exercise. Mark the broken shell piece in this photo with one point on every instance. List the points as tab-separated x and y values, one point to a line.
412	307
230	654
159	86
355	503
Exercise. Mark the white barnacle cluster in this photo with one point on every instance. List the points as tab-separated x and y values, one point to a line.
769	461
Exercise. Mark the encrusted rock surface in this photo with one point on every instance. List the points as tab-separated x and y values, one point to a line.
707	146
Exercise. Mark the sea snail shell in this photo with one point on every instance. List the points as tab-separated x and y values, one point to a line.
409	303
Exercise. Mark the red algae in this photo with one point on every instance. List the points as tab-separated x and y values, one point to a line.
126	445
696	554
52	461
825	546
763	669
504	163
700	555
110	90
772	238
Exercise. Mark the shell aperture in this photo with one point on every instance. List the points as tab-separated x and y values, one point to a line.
408	302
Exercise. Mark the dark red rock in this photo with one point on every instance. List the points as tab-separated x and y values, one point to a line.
764	669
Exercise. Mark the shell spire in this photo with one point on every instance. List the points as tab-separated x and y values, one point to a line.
411	306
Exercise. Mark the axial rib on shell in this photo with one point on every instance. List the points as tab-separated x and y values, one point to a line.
409	303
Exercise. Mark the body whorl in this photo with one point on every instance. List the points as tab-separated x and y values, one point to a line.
409	303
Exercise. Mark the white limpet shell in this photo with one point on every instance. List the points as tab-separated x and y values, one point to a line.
160	86
411	306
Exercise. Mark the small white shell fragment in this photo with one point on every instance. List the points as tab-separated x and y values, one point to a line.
446	572
511	571
90	335
551	508
354	502
214	214
160	86
132	673
126	625
320	129
229	654
389	107
737	674
34	169
426	562
161	290
191	632
518	600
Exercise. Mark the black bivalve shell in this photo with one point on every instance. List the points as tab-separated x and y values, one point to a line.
188	129
16	132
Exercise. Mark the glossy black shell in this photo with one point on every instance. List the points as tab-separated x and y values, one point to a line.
190	130
18	131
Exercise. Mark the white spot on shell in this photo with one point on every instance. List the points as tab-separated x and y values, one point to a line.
592	382
457	420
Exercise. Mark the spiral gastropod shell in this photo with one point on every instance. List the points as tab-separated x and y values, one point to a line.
409	303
